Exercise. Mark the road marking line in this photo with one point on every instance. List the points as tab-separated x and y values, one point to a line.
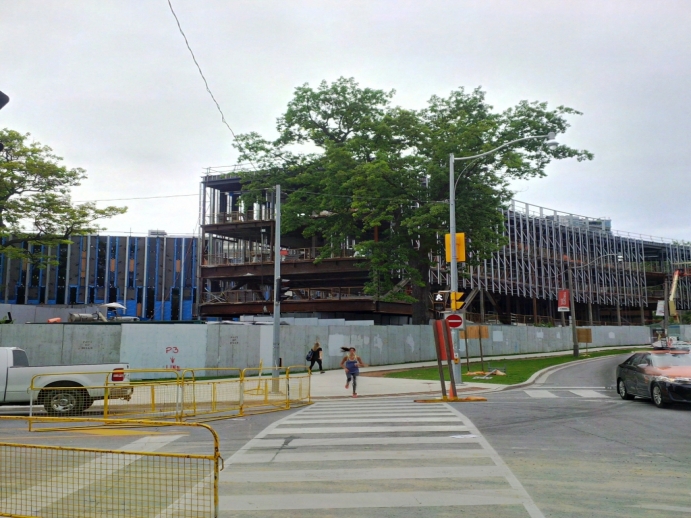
528	503
555	387
662	507
346	420
370	500
540	394
363	415
368	429
356	441
589	393
336	456
335	475
59	487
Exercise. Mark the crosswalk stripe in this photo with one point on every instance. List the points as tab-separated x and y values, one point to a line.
416	443
347	420
588	393
360	441
370	500
368	429
540	394
338	475
379	413
331	456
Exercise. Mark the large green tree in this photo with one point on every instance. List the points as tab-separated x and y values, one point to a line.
35	205
379	174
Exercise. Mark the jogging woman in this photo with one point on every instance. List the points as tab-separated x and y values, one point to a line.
351	363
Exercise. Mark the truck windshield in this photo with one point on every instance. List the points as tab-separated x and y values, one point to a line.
19	359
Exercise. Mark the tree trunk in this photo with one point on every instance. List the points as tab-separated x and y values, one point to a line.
421	313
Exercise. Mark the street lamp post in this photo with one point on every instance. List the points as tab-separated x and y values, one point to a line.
572	302
452	215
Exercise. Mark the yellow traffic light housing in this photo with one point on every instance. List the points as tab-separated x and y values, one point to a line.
460	247
456	300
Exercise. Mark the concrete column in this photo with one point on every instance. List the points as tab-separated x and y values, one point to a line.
482	306
642	315
618	314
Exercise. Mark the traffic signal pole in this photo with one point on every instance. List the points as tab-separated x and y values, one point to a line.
276	360
454	261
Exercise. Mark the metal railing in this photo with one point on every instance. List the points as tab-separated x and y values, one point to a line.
239	257
185	394
243	296
69	482
237	217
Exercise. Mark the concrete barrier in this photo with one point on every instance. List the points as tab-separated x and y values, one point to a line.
151	346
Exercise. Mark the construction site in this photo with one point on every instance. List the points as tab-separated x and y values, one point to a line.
618	277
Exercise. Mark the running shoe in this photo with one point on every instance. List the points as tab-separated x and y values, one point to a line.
347	384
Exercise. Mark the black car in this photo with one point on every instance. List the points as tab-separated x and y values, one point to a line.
662	375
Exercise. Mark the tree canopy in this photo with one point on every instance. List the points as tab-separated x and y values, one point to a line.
378	173
35	206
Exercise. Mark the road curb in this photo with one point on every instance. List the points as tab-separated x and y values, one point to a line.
549	370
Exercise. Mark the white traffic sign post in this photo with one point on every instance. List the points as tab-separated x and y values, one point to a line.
456	321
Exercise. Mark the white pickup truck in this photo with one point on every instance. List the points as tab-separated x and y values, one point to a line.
61	389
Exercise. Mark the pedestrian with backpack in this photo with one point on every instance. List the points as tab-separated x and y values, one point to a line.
315	356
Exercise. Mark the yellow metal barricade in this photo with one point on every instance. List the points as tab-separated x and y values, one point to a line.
212	391
153	398
298	379
68	482
265	390
223	391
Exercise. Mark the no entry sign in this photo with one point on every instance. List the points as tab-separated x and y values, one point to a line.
454	321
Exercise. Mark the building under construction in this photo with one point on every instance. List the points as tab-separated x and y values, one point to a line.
154	277
618	277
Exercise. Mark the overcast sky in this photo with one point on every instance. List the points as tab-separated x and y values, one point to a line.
111	87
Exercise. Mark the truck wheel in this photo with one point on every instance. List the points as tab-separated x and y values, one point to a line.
67	402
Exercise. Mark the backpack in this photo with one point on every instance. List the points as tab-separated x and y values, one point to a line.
310	355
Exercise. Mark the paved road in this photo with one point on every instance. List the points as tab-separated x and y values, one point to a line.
566	447
580	451
375	457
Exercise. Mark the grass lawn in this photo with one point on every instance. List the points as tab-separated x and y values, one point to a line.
517	371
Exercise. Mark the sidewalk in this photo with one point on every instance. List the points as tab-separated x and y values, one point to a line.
331	384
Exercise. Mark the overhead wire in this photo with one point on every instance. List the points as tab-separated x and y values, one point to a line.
139	198
201	73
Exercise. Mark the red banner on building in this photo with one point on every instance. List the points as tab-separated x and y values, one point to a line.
563	300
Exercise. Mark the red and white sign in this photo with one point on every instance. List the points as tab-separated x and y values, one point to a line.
563	301
455	321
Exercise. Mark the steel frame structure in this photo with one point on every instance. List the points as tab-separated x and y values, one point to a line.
543	243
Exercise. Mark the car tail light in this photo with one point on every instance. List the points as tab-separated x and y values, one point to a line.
118	375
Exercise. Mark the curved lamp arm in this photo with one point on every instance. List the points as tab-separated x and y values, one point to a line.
550	136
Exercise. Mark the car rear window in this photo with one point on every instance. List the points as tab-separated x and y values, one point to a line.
19	359
671	360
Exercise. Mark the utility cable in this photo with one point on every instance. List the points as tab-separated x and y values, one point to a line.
206	83
139	198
